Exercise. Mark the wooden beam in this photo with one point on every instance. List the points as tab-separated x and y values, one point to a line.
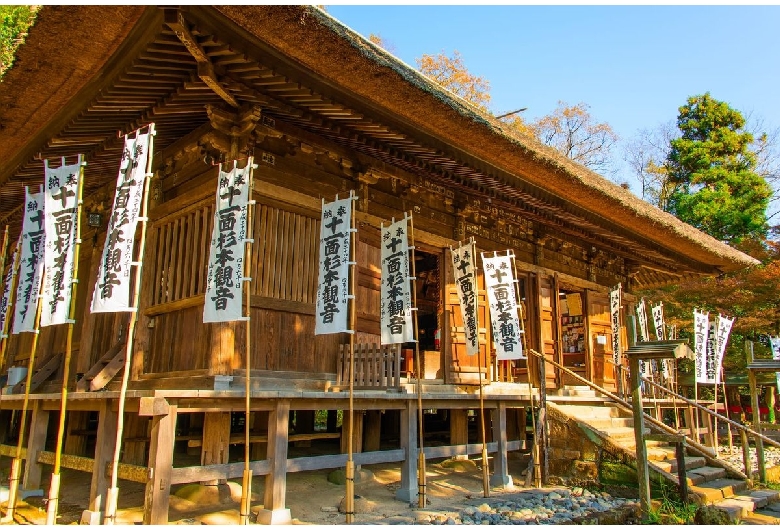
158	488
175	21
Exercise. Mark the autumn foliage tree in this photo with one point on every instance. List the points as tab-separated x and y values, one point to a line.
573	131
452	74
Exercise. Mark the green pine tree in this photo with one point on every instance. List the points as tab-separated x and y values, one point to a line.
712	173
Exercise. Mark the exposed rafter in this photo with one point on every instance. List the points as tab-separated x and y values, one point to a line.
174	19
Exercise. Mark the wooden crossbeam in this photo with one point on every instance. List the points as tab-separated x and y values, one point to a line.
175	21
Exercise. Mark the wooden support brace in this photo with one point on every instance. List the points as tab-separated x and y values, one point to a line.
158	487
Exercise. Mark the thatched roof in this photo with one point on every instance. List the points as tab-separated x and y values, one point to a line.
73	50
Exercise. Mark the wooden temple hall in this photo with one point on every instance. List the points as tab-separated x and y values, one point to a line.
323	113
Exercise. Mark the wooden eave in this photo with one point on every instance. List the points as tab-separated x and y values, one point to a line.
156	74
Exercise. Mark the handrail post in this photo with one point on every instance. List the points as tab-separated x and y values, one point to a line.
746	457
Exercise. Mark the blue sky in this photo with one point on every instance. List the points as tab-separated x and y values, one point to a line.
634	65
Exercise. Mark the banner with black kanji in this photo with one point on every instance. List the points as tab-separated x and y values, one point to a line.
502	300
30	263
61	204
395	294
701	333
332	308
112	290
615	301
5	298
465	273
224	278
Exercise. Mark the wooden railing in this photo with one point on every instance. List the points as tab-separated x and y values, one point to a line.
703	450
376	367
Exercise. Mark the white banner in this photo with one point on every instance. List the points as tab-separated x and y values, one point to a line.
774	343
466	279
30	263
500	287
724	330
709	363
641	314
333	283
112	290
658	321
225	277
61	188
666	366
701	331
614	310
396	296
5	298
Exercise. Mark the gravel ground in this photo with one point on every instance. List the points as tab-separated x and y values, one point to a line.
538	506
771	456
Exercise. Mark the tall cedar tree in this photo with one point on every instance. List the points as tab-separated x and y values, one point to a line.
712	171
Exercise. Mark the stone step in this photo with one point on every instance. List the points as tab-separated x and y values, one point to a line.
695	469
701	473
751	501
589	412
719	489
606	423
584	392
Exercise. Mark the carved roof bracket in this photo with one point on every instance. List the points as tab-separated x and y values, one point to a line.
174	19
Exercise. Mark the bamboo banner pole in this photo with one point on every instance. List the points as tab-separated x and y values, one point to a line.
246	483
421	479
524	339
349	470
4	252
54	486
485	471
16	463
113	492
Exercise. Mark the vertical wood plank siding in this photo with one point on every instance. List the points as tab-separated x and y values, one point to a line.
284	268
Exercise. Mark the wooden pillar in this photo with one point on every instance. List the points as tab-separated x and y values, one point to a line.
135	433
274	510
35	443
769	399
104	453
158	487
408	490
332	421
500	475
459	430
216	442
223	339
260	427
757	426
372	430
357	432
75	438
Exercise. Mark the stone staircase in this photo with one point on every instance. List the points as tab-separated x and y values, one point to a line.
711	480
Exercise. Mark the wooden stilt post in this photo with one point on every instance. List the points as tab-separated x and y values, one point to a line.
349	471
485	470
54	486
421	479
16	463
246	483
158	487
113	492
104	449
